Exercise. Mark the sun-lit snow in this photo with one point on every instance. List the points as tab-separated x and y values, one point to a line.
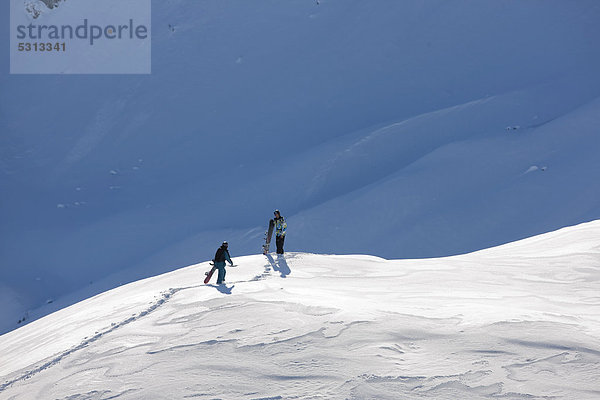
516	321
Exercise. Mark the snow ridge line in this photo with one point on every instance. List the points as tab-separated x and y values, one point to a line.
165	296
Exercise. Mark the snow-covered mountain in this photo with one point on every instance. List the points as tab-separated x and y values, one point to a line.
393	128
519	321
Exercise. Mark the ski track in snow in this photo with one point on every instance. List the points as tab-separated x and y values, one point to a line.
114	326
164	297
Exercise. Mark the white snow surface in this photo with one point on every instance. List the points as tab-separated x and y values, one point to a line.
519	321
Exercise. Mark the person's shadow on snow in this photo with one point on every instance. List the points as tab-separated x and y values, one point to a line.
223	288
279	265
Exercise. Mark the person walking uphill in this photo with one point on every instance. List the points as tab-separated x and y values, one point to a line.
280	228
221	256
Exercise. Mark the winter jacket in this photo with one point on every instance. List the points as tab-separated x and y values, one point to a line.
280	226
226	257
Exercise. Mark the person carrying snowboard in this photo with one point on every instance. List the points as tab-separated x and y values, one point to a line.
280	228
221	256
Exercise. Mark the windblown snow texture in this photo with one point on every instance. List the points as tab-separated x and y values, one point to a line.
518	321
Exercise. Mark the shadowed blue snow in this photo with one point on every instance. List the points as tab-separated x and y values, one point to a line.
400	129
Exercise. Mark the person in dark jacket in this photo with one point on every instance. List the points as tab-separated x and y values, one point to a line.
280	228
221	256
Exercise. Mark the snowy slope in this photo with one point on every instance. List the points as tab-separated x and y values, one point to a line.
515	321
376	127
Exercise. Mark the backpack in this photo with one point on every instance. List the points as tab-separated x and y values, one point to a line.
220	255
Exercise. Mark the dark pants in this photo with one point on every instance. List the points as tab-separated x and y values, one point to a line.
279	242
221	276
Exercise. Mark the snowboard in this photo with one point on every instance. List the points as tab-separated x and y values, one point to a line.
210	273
268	236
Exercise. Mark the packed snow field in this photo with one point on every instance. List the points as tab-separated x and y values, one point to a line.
401	129
519	321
